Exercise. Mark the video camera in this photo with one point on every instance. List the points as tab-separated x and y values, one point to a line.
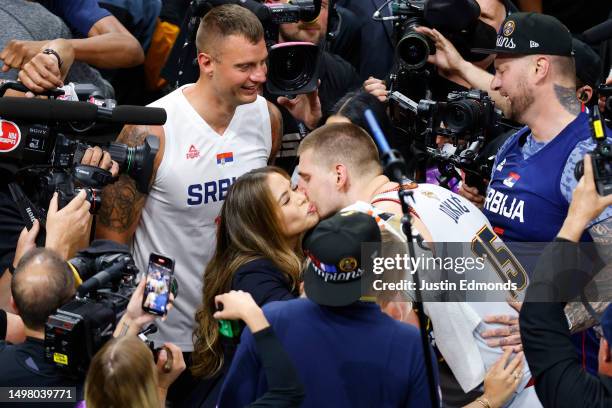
467	119
601	156
35	145
78	329
292	67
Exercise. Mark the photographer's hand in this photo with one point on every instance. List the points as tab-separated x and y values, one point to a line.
472	194
68	229
376	87
95	156
27	241
304	107
451	65
240	305
586	205
165	379
135	318
447	59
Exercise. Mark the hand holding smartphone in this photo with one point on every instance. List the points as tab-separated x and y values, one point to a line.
157	286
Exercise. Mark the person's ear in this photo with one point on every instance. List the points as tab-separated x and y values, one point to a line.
13	305
205	62
584	93
341	176
542	67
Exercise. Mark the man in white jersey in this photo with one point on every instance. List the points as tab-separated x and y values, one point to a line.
217	129
339	166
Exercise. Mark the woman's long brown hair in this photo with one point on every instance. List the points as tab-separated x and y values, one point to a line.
250	228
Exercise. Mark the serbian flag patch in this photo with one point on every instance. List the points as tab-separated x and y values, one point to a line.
511	180
223	158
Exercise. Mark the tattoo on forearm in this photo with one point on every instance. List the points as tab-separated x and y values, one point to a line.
124	329
602	232
567	98
579	316
133	135
121	204
121	201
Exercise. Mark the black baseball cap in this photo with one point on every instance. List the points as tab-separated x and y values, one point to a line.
334	273
531	33
588	64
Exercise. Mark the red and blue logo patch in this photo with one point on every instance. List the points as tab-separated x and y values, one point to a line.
511	180
223	158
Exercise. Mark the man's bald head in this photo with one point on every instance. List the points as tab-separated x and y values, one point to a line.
41	284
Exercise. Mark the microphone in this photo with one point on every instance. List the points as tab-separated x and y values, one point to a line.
41	110
393	163
600	32
103	277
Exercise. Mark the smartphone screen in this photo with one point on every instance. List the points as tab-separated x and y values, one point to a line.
157	287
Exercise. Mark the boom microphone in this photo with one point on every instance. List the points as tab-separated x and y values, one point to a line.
39	110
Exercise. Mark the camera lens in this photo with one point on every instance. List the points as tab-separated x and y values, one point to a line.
291	68
413	48
462	116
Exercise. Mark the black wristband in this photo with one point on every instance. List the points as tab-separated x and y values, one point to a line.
49	51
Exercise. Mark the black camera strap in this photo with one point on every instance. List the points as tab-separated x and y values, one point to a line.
29	212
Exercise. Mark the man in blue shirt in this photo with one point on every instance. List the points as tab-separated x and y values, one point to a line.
533	175
347	352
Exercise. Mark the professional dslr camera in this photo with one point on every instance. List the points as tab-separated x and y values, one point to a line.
601	156
457	20
467	119
38	147
78	329
292	67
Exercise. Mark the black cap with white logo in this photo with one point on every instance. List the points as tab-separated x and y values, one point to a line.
335	274
531	33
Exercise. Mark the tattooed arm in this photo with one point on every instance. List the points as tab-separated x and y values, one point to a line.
586	205
276	124
577	314
122	203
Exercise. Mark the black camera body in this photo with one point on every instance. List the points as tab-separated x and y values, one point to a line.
465	115
40	145
601	156
466	118
411	48
78	329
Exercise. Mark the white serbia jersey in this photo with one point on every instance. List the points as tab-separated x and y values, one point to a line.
193	179
451	218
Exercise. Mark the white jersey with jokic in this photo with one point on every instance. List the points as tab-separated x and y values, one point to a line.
179	216
451	218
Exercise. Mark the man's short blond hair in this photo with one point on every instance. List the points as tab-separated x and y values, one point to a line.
226	20
343	143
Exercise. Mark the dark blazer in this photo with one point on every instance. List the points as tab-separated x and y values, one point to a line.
377	49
